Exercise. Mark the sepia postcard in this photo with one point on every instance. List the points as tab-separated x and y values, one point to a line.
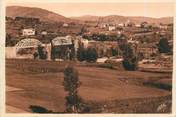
77	58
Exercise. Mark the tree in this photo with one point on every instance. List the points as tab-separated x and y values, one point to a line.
114	51
130	60
81	54
140	56
10	41
42	53
91	55
53	51
71	84
163	46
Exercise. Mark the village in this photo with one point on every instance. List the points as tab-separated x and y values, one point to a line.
88	64
28	33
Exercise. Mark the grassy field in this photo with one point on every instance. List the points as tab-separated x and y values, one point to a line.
39	83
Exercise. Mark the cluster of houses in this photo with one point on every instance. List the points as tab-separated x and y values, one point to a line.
65	46
128	23
112	27
61	46
148	50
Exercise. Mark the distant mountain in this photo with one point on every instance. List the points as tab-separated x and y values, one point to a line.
164	20
44	15
122	19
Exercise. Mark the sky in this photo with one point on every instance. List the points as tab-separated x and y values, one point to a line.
152	9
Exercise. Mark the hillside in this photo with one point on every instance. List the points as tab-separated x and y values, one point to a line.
44	15
123	19
49	16
87	18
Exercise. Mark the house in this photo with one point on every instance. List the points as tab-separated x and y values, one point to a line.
102	60
25	48
65	25
28	32
121	25
44	33
111	28
163	27
62	41
138	25
62	48
103	25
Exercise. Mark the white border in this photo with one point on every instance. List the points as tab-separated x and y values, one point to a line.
92	1
2	62
2	57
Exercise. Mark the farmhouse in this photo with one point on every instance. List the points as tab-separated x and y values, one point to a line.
163	26
28	32
103	25
111	28
65	25
62	48
44	33
138	25
23	49
121	25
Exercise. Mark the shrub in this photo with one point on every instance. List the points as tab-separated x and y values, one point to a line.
42	53
81	54
91	55
163	46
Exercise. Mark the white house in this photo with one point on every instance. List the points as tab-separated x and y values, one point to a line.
163	27
121	24
103	25
102	60
111	28
44	32
138	25
65	25
28	32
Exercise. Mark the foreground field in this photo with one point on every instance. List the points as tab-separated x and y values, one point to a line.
32	83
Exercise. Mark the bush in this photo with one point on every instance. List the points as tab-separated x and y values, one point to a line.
163	46
130	64
91	55
81	54
42	53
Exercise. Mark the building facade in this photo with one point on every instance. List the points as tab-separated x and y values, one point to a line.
28	32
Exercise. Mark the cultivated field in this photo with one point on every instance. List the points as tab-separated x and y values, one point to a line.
39	83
